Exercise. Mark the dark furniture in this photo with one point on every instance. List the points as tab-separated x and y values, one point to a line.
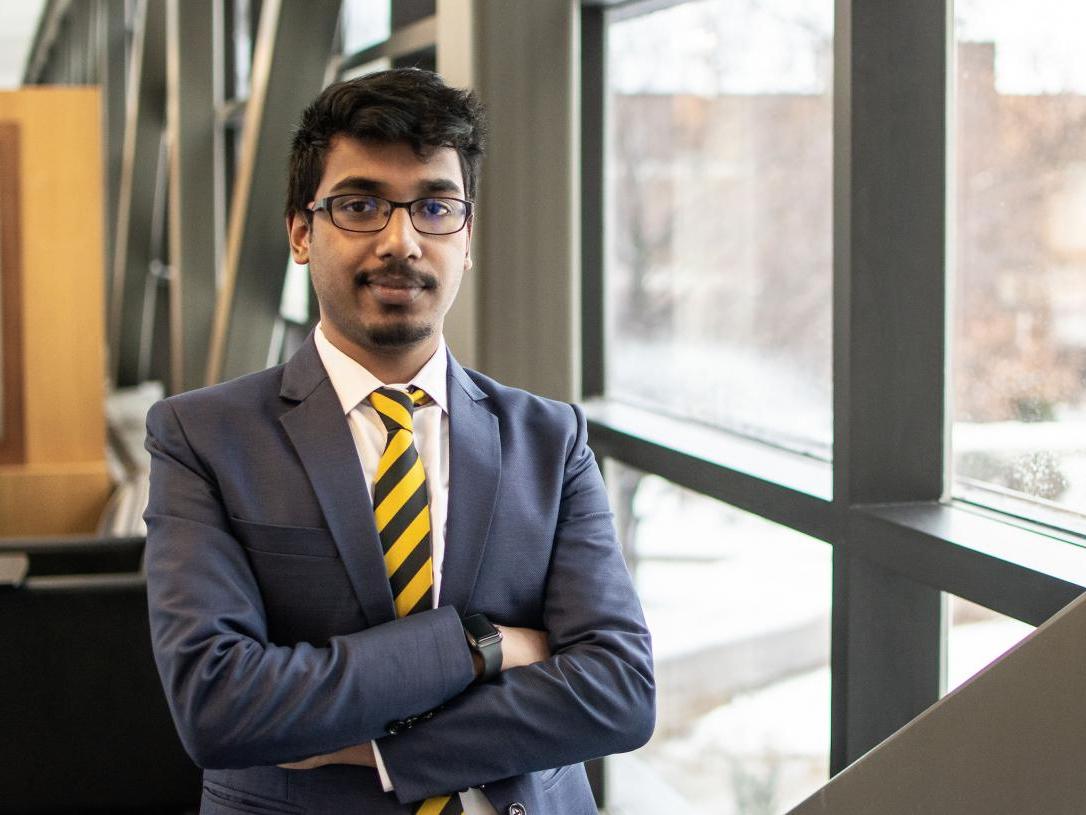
83	721
76	555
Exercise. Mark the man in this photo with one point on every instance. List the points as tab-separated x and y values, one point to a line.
335	544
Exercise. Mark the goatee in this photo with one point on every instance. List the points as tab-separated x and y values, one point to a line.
398	335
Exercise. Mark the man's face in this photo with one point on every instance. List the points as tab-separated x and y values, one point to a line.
389	290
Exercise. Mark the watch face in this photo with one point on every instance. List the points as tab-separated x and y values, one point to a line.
480	629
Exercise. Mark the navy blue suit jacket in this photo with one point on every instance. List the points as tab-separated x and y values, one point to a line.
273	623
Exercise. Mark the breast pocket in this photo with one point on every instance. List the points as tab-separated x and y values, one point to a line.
304	541
307	595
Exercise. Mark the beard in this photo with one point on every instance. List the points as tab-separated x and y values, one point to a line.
397	334
396	328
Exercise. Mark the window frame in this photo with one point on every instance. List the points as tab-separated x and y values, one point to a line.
899	540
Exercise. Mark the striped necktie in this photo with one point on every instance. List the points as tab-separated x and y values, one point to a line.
401	504
402	512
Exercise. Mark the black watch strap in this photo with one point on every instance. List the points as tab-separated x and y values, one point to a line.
485	640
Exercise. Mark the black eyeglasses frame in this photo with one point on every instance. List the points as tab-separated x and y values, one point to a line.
326	203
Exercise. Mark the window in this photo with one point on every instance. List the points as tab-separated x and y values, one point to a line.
718	215
376	35
365	23
242	17
740	614
1020	268
728	129
976	637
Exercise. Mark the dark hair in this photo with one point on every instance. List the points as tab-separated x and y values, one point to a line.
402	105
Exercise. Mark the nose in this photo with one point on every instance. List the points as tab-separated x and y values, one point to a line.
399	240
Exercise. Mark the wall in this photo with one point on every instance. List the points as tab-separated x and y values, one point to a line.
1009	741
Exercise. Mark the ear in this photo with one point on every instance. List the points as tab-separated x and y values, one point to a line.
467	248
298	228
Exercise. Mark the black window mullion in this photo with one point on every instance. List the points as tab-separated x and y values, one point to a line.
889	382
593	158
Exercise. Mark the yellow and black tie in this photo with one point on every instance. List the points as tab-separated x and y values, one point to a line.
401	504
441	805
402	511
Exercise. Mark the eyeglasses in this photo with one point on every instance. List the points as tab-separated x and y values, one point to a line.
368	213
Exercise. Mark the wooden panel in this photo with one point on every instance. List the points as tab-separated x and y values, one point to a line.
62	316
12	446
60	483
52	499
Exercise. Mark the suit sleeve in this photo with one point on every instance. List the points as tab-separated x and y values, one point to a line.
239	700
595	695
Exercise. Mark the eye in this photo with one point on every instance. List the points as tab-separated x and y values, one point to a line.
357	205
434	208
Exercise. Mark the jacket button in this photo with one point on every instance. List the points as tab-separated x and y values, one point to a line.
517	809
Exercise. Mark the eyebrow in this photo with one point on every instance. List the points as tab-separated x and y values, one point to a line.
430	186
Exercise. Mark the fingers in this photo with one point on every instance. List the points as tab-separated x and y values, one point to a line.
359	754
523	646
306	764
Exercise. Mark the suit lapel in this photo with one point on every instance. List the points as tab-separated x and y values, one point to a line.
474	473
319	432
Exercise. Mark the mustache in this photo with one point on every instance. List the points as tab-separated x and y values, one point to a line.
396	273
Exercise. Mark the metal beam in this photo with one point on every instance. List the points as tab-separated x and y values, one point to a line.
80	45
111	76
408	40
289	60
455	45
782	486
190	121
528	242
593	161
144	121
1023	571
890	276
889	357
45	38
887	655
154	344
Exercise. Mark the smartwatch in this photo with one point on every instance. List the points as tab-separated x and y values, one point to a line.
485	640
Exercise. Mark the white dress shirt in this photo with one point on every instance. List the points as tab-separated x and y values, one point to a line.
353	384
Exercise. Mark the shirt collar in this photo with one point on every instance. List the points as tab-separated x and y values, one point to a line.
353	383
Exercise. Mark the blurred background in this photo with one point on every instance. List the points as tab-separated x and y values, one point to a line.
816	272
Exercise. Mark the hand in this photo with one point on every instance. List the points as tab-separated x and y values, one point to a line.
360	755
523	646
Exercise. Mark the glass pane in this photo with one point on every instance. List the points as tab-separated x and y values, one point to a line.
978	636
1019	343
718	215
406	12
379	64
294	303
243	27
365	23
739	610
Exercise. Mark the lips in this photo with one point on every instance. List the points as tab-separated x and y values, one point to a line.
399	288
395	293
